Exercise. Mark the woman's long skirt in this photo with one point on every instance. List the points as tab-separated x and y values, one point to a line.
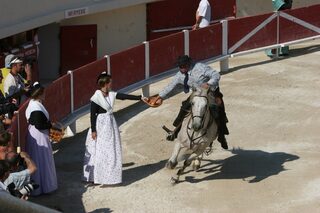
103	158
39	148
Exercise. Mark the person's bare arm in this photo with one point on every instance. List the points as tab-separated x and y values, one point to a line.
31	166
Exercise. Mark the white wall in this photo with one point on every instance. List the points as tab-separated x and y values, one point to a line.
21	15
255	7
117	29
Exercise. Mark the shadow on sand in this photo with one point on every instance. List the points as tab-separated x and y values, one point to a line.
69	154
102	210
249	165
138	173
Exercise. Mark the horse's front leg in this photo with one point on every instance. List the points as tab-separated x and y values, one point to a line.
186	163
196	163
172	162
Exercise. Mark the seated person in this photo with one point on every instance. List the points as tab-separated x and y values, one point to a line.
21	169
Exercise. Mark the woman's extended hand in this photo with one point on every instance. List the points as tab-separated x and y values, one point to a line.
94	135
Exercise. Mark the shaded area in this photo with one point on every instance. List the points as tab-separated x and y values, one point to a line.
292	53
69	161
138	173
69	156
250	165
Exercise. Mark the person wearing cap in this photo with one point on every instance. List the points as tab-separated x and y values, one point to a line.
103	157
14	83
196	75
6	70
38	144
203	15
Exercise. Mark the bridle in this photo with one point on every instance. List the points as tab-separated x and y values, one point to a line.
190	131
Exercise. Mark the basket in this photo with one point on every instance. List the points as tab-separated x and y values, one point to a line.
56	132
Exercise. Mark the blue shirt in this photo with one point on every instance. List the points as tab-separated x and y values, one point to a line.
18	178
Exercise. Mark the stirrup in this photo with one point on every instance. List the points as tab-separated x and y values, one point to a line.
170	134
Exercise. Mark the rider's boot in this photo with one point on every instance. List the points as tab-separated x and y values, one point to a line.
222	128
177	123
173	134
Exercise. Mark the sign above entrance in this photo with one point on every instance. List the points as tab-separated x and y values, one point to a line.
76	12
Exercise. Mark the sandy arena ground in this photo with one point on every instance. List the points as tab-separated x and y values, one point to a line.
272	165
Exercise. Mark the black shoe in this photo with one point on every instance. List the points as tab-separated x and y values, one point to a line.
171	136
223	141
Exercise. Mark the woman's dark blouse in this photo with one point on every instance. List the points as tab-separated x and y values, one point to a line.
96	109
39	120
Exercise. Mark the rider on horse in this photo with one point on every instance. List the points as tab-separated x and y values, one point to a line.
196	75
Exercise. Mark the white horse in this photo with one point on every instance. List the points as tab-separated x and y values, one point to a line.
198	130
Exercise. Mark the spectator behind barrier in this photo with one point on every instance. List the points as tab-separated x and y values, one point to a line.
7	106
14	83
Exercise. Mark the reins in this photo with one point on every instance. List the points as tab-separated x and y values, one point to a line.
190	130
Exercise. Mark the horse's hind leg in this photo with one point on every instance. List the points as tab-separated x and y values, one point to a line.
172	162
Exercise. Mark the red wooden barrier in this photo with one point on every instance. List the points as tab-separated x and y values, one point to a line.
84	79
58	101
206	42
127	67
181	13
23	125
290	31
165	51
240	27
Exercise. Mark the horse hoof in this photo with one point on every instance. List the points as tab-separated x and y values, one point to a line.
170	165
196	165
173	181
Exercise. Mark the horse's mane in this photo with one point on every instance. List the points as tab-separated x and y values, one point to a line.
200	91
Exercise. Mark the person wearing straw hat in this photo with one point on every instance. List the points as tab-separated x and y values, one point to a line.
38	144
103	157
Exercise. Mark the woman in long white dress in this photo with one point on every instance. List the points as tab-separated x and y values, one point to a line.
103	157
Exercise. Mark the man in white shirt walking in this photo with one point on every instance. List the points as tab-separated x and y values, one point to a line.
203	15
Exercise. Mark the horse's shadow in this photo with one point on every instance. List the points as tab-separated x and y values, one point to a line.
132	175
250	165
101	210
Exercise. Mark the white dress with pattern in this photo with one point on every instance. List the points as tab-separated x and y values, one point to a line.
103	158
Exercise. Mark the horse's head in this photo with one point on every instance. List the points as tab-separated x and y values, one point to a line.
199	107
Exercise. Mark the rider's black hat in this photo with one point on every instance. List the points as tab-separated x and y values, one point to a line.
184	60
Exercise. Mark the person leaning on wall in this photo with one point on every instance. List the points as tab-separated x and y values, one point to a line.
203	15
